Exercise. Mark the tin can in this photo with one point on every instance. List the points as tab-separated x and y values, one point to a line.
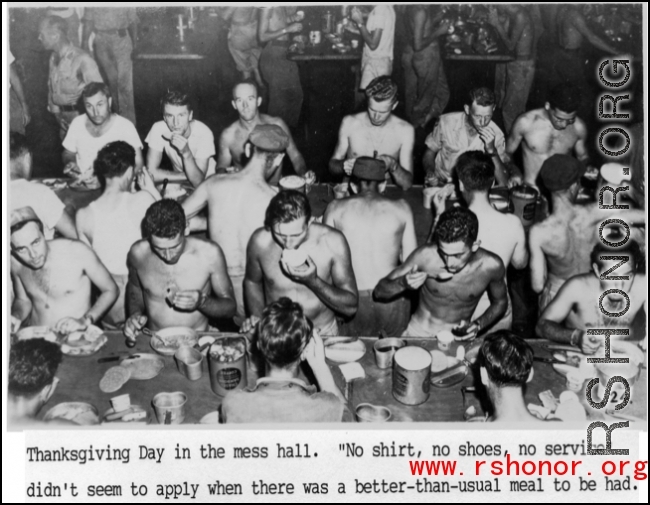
227	360
411	375
524	202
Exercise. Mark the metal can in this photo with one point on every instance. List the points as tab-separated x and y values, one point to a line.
227	360
411	375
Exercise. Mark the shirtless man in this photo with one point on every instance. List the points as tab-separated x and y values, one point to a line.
506	365
380	233
244	196
555	129
377	133
502	234
174	280
560	246
514	79
575	308
246	101
324	284
453	272
52	279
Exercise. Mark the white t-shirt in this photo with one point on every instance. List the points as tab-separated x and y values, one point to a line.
382	17
44	202
86	147
201	142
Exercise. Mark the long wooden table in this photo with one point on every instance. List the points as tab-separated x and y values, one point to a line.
80	376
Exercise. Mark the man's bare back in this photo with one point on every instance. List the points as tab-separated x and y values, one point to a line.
234	138
503	235
199	262
378	231
61	288
244	201
322	246
540	140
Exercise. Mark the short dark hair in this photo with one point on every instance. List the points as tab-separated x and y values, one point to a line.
287	206
564	97
382	88
250	82
631	248
482	96
176	97
22	224
114	159
92	88
283	332
455	225
18	145
475	169
164	218
32	366
507	357
57	22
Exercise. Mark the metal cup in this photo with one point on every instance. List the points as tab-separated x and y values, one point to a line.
445	338
368	413
189	362
385	349
170	406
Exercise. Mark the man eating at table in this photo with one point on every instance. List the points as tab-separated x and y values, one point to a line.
469	130
174	280
452	272
91	131
379	231
575	308
188	143
52	280
23	192
305	261
232	143
377	133
244	196
506	365
285	339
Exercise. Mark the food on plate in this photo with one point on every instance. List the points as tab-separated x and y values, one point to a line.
80	413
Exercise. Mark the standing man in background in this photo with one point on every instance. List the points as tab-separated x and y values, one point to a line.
116	33
71	68
19	116
242	41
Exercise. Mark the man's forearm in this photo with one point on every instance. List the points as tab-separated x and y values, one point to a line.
500	171
298	163
555	331
103	304
216	307
492	314
68	157
326	382
336	167
254	296
388	289
402	178
21	309
134	300
339	300
193	172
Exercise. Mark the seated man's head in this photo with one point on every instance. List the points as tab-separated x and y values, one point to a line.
177	111
381	93
367	174
97	101
561	174
287	217
604	258
562	105
505	360
246	99
475	171
115	163
455	235
165	227
268	142
283	334
32	367
20	156
52	32
28	243
480	106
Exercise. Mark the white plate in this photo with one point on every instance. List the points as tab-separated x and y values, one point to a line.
346	352
83	414
144	367
83	343
173	338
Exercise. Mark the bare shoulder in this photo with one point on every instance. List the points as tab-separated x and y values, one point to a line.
205	248
260	239
351	121
401	125
580	127
327	235
491	262
402	207
266	119
229	132
139	251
